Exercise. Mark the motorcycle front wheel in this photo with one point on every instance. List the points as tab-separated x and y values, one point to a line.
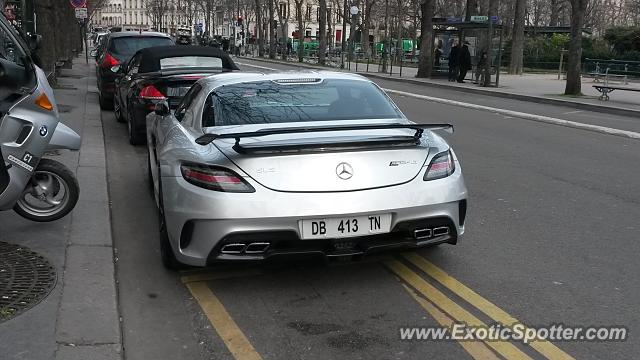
51	194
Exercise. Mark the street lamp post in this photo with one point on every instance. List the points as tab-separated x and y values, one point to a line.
354	21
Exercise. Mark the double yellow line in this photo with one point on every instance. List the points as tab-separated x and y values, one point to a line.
444	310
458	313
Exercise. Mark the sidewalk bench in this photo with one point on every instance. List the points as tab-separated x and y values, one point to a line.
606	89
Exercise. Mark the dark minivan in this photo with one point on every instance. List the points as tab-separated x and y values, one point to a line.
119	47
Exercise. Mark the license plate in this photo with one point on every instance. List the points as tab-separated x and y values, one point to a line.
349	226
177	91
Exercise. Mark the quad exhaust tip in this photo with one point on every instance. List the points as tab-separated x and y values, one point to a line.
439	231
426	233
239	248
257	248
233	248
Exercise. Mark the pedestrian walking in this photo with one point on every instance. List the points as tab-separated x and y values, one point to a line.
464	62
453	61
437	56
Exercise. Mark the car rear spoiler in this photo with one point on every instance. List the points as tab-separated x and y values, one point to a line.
206	139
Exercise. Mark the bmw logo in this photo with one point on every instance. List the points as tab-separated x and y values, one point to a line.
44	130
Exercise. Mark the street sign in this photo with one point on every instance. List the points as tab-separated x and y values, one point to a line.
479	19
78	3
81	13
484	19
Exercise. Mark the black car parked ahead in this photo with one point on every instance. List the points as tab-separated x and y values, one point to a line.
117	50
159	74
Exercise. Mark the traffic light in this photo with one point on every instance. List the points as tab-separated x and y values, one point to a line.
239	21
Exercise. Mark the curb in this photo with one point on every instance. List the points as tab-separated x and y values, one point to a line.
495	93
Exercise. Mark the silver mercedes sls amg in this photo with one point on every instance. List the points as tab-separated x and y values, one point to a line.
257	166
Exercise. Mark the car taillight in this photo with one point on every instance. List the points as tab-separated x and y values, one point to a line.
151	93
441	166
110	62
215	178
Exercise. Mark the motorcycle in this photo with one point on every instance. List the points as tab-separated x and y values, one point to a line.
37	188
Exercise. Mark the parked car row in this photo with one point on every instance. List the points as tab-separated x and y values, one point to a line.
255	166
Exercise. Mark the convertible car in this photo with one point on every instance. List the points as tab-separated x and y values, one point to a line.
260	166
161	73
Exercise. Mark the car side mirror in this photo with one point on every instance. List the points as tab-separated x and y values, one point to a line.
93	53
35	42
162	108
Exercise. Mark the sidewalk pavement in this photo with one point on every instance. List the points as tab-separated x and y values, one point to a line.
79	319
542	88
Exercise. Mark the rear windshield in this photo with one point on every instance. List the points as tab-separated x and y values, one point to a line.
191	62
130	45
267	102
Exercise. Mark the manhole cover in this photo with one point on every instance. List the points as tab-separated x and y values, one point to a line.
25	279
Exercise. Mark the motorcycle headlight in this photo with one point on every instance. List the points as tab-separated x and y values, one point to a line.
441	166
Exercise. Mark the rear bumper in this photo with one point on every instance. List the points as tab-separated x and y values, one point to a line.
277	245
201	222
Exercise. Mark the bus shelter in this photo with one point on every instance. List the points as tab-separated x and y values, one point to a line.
448	31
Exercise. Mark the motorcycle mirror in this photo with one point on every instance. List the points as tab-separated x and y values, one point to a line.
162	108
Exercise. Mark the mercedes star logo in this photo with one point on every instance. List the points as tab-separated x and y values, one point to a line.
344	171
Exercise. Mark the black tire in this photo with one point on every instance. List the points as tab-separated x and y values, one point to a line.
117	111
149	174
167	255
135	138
72	188
104	103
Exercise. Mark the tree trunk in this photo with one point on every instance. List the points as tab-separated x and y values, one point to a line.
574	61
272	31
300	30
322	24
425	65
492	10
46	20
517	45
284	27
259	34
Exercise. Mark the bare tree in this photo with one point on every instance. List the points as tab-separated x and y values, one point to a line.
425	65
368	7
283	16
300	19
259	27
273	37
574	61
322	38
517	44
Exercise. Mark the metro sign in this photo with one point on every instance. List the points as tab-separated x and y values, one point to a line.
78	3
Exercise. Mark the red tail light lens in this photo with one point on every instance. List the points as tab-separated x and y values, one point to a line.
441	166
109	61
151	93
215	178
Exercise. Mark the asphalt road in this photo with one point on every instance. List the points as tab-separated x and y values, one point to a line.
552	237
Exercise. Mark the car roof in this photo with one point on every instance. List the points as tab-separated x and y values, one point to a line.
151	56
218	80
120	34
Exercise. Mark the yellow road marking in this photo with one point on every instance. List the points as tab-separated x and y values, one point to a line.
219	275
543	347
477	349
454	310
234	339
